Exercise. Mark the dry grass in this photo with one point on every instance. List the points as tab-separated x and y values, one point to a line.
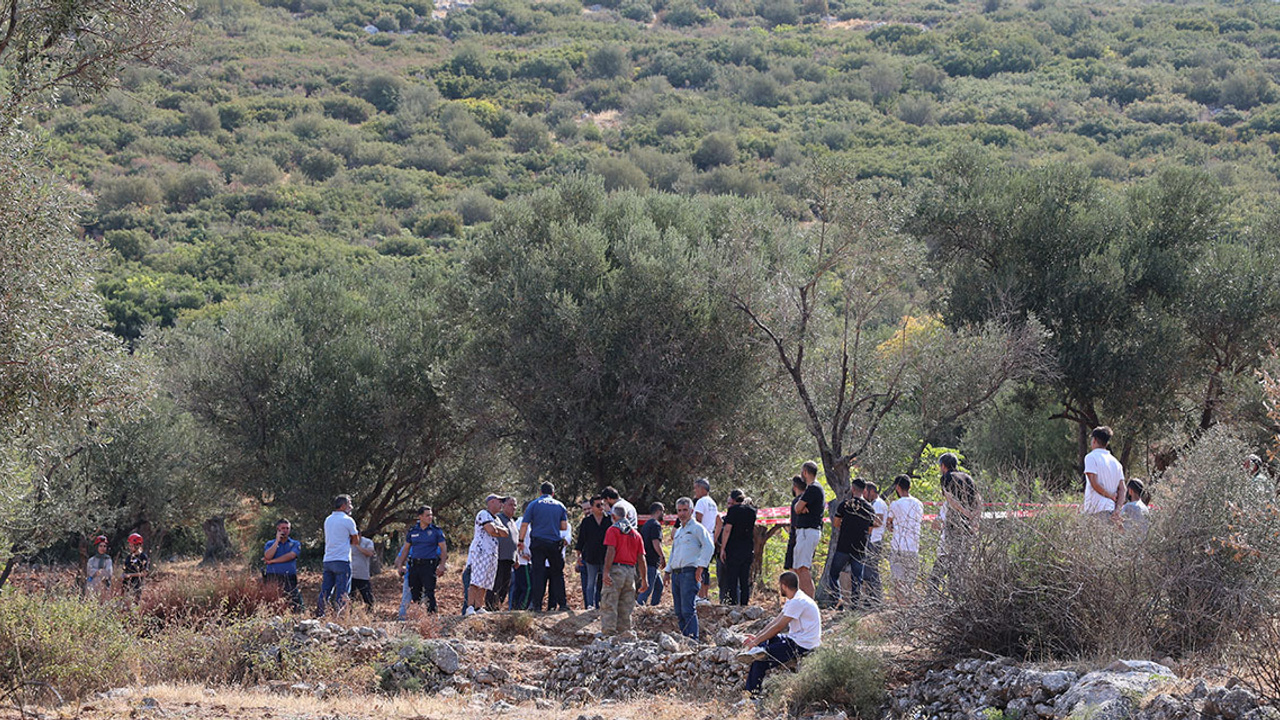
198	702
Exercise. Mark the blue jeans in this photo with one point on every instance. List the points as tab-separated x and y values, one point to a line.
653	596
839	561
779	650
337	580
684	589
406	597
592	585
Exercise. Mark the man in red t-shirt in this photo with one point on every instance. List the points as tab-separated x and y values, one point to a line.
623	563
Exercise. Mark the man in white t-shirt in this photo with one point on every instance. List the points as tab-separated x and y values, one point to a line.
706	513
1104	479
802	621
340	534
904	518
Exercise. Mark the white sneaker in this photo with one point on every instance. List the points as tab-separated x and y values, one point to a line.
469	611
701	601
482	611
746	657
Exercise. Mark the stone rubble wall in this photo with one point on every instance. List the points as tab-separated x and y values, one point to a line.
977	688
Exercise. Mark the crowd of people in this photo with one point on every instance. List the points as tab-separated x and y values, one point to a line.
518	561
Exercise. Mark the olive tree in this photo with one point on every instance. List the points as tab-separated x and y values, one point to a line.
597	347
331	386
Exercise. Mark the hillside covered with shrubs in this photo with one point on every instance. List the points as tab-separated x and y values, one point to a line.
290	136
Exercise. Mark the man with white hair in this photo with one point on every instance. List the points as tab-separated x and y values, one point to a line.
706	513
483	555
691	551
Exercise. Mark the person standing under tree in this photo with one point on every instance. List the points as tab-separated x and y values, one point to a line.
1104	479
691	551
136	566
737	549
482	558
655	560
706	513
427	553
904	519
340	534
361	554
590	547
623	564
498	597
545	521
280	563
99	569
851	527
808	508
961	510
873	593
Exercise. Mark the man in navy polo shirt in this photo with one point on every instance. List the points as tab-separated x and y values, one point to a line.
427	553
544	520
280	563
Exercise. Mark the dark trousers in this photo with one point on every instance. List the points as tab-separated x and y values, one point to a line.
288	588
779	650
497	597
521	584
365	588
548	581
735	581
872	593
422	581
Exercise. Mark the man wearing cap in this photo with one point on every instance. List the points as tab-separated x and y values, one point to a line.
426	552
483	555
497	598
705	513
280	563
545	519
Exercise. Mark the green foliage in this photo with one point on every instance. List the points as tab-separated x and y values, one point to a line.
76	647
335	392
620	368
840	673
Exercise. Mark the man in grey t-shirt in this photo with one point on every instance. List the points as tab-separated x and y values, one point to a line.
361	555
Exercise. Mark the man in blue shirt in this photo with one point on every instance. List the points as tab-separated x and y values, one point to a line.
280	563
427	553
544	520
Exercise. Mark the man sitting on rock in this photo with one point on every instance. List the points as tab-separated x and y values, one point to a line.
802	621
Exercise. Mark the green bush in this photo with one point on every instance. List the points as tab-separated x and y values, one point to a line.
75	646
838	674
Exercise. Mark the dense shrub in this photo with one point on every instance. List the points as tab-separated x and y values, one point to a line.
1035	587
72	646
837	674
716	149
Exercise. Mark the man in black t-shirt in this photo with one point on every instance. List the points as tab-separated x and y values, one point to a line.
961	510
853	522
655	560
806	526
737	549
